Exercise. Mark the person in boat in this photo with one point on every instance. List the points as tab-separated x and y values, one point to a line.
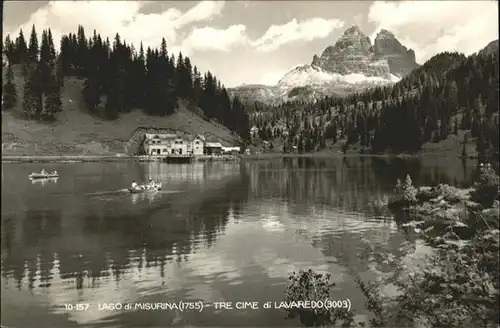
54	173
135	186
43	171
151	184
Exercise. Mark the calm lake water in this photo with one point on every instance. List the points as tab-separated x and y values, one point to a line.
217	232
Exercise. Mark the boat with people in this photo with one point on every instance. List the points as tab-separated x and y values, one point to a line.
44	175
149	187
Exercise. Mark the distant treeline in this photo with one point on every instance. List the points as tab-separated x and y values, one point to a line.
152	80
450	92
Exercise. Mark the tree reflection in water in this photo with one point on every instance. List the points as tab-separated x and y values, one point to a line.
66	242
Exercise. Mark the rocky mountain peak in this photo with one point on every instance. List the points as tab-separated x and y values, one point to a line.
351	54
490	49
354	53
353	40
351	64
385	34
354	31
401	60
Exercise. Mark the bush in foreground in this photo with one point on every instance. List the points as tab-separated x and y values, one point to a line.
457	286
312	286
404	194
487	186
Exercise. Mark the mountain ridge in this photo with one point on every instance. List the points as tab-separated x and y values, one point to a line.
351	64
447	105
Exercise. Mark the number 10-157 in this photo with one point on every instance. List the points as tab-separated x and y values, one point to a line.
76	307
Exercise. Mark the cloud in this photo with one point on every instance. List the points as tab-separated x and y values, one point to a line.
295	31
430	27
205	10
209	38
123	17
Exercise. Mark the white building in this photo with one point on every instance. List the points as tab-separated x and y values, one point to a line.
158	144
196	145
231	150
179	146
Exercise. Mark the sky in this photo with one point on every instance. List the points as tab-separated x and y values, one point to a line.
257	42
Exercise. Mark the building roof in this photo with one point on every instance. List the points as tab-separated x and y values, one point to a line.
171	136
160	136
214	145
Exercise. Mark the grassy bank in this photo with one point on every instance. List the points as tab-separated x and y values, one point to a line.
78	132
452	146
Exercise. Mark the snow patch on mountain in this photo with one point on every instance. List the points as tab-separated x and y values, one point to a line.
314	76
352	64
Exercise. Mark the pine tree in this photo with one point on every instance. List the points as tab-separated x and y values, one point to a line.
81	53
53	104
32	97
33	49
45	61
21	51
167	95
9	93
115	102
92	85
66	55
52	50
9	49
91	93
197	86
187	78
59	72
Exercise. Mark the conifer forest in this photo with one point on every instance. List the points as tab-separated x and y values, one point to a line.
119	77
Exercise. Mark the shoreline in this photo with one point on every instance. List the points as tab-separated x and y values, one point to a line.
13	159
18	159
325	155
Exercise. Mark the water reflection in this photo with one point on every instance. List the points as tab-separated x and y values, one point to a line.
302	181
43	182
216	232
432	170
195	172
150	196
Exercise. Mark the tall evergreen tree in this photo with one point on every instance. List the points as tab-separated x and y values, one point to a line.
21	50
32	98
33	49
53	104
9	49
45	64
9	93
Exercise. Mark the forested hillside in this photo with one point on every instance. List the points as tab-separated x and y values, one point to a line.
449	95
118	78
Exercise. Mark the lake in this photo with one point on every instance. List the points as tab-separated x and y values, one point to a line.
216	232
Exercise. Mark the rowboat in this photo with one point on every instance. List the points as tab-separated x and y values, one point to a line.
144	188
44	175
